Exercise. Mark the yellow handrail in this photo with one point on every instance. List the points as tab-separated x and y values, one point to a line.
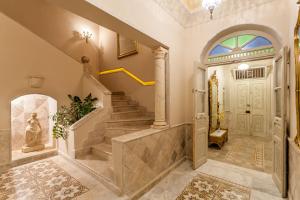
148	83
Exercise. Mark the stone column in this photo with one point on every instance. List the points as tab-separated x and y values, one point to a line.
160	87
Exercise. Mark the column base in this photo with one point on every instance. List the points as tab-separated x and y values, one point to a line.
160	125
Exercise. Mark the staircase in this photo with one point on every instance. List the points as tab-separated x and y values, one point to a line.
127	117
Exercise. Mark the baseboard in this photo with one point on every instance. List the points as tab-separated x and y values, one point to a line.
136	195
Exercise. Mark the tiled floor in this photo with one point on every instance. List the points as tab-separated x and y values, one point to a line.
245	151
260	184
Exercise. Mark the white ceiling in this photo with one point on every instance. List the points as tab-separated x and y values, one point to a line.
189	13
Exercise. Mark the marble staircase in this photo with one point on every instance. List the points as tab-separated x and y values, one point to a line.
127	117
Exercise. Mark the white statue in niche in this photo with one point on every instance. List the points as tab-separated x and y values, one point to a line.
33	135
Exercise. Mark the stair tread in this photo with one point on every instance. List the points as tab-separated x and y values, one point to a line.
129	105
141	127
118	93
131	119
107	148
128	111
120	100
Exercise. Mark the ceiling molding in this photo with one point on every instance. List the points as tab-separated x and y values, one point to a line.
188	16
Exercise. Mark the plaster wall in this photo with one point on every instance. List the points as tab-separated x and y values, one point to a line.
150	19
141	65
57	26
23	54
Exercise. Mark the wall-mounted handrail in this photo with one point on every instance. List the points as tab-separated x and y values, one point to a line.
145	83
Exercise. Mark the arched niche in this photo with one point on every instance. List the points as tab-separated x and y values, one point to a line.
21	109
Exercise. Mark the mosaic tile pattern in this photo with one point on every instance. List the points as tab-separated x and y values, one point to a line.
245	151
207	187
39	181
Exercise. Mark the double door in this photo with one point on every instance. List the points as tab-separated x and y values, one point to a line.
250	107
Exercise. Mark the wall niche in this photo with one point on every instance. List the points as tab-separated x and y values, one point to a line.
21	109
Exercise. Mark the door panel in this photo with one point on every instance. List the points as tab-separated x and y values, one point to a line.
279	122
242	102
258	107
251	107
200	117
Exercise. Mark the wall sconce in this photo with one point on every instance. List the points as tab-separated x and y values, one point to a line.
86	35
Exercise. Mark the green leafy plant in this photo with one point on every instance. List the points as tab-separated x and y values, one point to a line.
66	116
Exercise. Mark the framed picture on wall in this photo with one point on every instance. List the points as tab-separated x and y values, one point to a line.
126	47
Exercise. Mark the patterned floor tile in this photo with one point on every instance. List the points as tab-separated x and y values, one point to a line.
206	187
245	151
38	181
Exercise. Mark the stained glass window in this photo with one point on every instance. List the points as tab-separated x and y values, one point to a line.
256	43
245	45
219	50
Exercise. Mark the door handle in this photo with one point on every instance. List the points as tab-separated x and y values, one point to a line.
248	111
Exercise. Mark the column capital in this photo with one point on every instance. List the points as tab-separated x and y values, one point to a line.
160	52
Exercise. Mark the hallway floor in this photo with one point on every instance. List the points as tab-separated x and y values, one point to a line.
84	186
245	151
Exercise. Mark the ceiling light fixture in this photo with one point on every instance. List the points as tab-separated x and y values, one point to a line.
210	5
243	66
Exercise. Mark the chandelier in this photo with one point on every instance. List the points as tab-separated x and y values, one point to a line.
210	5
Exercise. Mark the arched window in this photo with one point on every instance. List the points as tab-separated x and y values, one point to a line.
245	46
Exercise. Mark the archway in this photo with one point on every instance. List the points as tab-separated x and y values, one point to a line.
21	108
225	51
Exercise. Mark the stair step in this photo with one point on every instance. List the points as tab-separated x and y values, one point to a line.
120	97
125	108
127	114
122	130
102	150
129	122
118	93
122	102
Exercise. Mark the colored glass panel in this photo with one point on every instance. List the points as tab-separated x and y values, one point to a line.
219	50
231	43
244	39
256	43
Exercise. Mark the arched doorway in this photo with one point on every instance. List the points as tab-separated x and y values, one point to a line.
239	102
21	109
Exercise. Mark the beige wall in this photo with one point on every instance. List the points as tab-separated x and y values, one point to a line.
141	65
57	26
149	19
22	55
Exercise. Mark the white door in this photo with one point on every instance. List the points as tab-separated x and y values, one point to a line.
242	108
279	122
200	116
258	107
250	107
